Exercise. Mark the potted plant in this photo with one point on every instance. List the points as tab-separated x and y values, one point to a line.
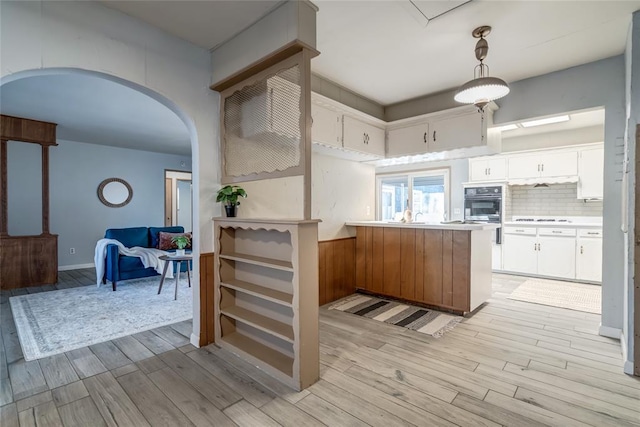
181	242
229	196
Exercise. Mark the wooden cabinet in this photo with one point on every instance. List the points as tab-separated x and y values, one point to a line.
487	169
408	140
266	295
591	173
362	137
589	255
429	266
549	164
454	132
327	126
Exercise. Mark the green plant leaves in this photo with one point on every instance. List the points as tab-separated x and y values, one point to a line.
229	194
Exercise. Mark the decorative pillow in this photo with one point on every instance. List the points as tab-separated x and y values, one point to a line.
165	240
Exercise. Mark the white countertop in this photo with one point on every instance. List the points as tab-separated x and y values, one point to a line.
425	225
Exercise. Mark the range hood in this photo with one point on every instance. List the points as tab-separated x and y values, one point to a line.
570	179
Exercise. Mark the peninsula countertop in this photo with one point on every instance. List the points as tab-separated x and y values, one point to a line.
459	225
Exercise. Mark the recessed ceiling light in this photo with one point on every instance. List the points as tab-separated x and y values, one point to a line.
507	127
547	121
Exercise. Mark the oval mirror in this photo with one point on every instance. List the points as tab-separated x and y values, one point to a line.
115	192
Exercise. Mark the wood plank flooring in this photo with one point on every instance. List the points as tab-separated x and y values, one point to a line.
511	363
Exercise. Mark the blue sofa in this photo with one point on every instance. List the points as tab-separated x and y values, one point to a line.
120	267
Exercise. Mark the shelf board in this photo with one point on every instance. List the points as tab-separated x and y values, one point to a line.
258	260
271	357
272	295
258	321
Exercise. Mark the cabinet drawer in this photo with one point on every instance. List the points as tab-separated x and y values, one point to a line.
590	232
530	231
557	232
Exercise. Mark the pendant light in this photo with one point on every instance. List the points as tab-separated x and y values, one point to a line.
482	89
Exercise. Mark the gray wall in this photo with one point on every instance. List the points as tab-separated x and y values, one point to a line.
78	216
596	84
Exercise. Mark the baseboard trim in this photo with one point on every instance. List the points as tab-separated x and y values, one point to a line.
609	332
195	340
75	267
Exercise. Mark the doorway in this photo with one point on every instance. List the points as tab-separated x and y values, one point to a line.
178	197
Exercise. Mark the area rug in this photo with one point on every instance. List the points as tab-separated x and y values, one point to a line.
430	322
54	322
574	296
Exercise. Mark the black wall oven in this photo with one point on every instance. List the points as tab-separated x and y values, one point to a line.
484	204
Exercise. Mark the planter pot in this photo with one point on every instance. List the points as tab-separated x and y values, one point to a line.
179	252
230	210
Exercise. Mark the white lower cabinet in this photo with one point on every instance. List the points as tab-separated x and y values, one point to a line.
556	256
540	251
519	252
589	255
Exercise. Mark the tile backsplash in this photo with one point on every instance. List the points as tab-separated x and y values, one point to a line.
555	200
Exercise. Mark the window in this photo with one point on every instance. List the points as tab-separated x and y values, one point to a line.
426	193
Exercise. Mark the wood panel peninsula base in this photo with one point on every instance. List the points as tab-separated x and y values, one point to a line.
266	295
447	266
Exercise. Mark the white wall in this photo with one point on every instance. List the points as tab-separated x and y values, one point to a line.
41	35
563	138
342	191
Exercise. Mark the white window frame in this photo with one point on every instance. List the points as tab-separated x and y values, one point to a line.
410	177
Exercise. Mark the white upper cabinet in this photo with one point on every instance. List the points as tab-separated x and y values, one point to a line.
456	132
408	140
488	169
591	173
327	126
362	137
549	164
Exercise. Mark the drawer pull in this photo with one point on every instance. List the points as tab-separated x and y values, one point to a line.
593	233
519	231
556	231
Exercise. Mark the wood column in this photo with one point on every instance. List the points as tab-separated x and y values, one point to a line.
4	202
207	305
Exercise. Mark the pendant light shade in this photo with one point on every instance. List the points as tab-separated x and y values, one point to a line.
482	89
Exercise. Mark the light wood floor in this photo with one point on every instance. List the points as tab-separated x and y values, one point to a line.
511	363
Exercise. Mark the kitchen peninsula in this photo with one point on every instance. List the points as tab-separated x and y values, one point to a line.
447	266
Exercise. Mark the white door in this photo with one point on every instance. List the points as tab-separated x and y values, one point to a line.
456	132
589	259
326	127
591	173
556	256
362	137
408	140
497	168
559	164
478	170
519	253
524	167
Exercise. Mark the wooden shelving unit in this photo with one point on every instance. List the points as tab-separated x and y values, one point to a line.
266	295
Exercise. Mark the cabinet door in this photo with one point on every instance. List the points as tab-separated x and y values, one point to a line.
556	256
559	164
519	254
456	132
589	260
591	173
523	167
326	128
362	137
408	140
478	170
497	168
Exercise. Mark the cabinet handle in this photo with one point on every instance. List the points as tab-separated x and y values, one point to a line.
486	171
434	136
489	171
581	250
535	246
593	233
538	167
538	246
556	231
519	231
425	137
543	167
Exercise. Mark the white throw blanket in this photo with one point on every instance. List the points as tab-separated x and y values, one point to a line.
150	257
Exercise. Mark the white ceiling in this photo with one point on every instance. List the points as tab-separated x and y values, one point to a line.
383	50
205	23
97	111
